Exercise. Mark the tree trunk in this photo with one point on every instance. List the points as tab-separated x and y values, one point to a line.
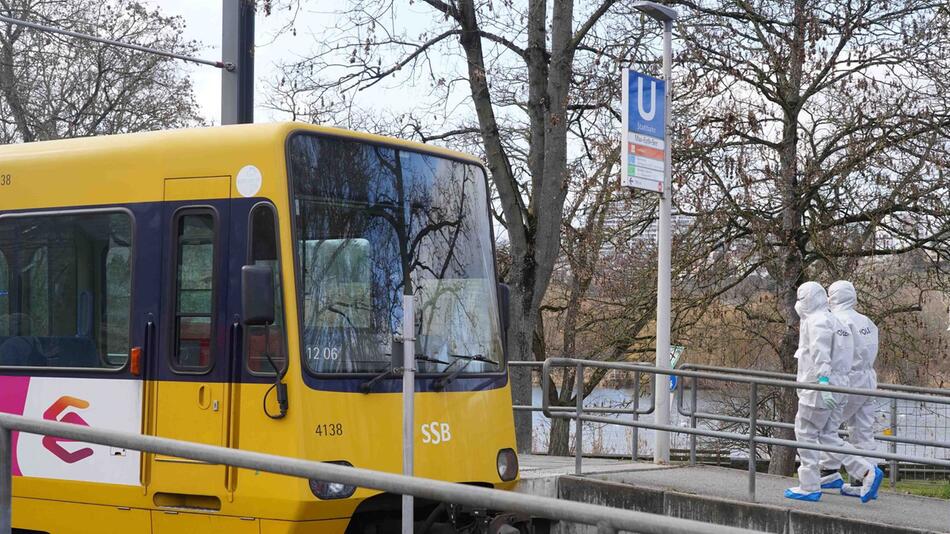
534	232
520	348
783	458
560	444
793	270
523	270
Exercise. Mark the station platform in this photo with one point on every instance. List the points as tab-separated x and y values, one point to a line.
535	466
719	495
540	473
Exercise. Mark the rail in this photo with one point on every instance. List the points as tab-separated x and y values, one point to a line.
605	519
892	439
753	379
634	412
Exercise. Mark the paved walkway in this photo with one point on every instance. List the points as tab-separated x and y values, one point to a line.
540	473
540	466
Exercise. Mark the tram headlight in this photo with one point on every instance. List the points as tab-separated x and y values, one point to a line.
507	464
332	490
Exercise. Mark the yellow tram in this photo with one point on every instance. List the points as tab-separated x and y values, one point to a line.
128	265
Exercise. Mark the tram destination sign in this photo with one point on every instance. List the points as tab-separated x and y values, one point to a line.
644	132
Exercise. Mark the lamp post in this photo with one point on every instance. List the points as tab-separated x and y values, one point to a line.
661	393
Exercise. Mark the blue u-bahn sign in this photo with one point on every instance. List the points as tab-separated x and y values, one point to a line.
646	98
644	131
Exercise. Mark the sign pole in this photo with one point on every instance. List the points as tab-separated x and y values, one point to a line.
647	165
661	453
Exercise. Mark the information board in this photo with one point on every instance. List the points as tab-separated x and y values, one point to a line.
644	131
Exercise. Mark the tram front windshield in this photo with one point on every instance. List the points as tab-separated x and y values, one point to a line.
373	223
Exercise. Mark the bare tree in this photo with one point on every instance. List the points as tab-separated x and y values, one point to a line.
517	65
817	137
602	301
53	86
809	139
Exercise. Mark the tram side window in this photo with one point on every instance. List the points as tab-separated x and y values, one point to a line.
194	292
266	344
61	305
118	290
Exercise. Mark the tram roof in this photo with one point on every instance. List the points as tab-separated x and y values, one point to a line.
188	140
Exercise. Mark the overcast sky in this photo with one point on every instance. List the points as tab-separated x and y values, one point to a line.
203	24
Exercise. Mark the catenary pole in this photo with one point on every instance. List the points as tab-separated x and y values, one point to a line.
237	47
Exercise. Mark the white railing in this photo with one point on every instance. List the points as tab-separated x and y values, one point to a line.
606	519
579	413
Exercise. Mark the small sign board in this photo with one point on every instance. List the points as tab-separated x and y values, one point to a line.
675	352
644	147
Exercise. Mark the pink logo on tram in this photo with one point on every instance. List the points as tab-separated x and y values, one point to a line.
12	400
52	443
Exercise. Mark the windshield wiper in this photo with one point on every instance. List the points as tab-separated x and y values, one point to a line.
448	376
367	387
430	359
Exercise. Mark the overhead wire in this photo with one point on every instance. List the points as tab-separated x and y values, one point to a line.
226	65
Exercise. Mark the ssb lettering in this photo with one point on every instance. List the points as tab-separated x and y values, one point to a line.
436	432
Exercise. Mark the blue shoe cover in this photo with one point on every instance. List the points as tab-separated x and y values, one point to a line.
834	484
876	485
810	497
853	491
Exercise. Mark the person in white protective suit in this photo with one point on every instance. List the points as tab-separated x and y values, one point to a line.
857	411
825	353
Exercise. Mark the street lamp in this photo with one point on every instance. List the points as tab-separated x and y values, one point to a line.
661	393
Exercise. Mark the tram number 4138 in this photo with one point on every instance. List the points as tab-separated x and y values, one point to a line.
330	430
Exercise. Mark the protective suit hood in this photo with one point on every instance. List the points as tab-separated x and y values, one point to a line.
811	299
843	301
842	296
825	346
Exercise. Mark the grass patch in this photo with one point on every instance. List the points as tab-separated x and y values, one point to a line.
924	488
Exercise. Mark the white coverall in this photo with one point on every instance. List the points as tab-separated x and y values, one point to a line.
857	411
825	348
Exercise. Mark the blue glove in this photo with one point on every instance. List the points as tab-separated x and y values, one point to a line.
826	396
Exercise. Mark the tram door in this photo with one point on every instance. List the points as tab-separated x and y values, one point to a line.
191	399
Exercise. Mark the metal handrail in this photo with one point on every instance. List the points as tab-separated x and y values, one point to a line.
790	426
606	519
893	439
635	412
561	362
789	376
752	439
